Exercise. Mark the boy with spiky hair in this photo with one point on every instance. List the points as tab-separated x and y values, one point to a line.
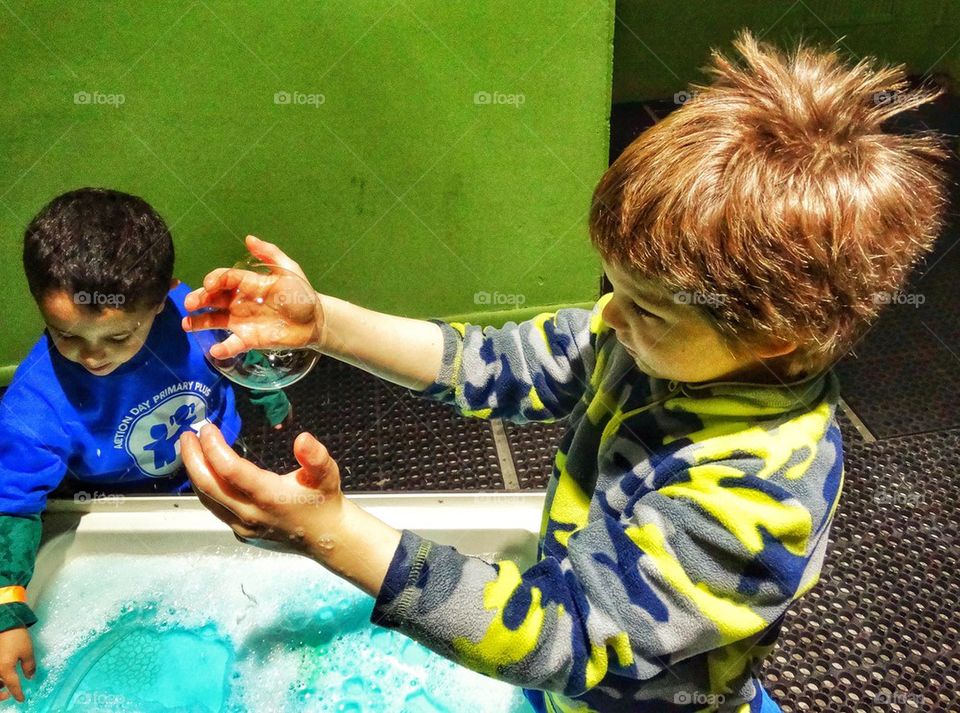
746	236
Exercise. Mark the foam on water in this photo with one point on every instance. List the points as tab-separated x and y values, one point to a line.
221	631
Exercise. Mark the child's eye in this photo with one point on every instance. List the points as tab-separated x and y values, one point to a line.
641	311
61	335
124	338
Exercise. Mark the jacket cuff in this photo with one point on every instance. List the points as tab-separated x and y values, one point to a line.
400	587
16	614
451	345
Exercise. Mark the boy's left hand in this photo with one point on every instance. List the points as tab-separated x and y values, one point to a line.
292	513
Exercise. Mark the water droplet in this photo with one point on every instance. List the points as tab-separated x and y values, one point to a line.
414	654
306	695
380	637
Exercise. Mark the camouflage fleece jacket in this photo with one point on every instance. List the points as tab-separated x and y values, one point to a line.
680	523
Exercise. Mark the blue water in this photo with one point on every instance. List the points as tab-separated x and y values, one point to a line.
220	631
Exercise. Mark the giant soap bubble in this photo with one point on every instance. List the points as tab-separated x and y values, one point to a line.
268	303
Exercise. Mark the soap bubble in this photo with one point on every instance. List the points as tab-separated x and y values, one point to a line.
271	298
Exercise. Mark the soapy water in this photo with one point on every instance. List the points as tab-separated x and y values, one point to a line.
218	631
279	293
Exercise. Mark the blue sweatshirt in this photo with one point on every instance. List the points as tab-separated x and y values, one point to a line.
681	522
57	419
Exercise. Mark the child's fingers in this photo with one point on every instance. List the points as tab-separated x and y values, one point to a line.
209	300
28	663
248	283
318	468
206	483
224	515
8	674
229	347
228	467
207	320
223	279
272	255
201	299
212	279
194	300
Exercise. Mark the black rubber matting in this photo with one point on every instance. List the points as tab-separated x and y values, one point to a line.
382	436
533	447
904	376
879	631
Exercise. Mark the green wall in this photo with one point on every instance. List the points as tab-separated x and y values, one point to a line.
396	190
399	191
659	47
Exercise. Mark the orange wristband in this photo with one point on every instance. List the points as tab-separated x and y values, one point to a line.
13	593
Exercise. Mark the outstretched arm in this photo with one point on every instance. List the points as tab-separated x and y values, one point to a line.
658	584
402	350
19	539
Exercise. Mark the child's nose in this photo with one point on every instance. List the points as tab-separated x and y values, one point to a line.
611	315
93	356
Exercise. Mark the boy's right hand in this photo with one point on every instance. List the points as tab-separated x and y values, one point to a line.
15	647
261	311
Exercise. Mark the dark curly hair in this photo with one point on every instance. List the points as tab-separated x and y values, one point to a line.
95	240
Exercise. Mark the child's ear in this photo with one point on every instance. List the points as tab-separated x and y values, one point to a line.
173	283
776	347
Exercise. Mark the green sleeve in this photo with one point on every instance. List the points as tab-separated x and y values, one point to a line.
19	541
273	402
275	405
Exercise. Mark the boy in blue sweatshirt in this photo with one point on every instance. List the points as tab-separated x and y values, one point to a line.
104	396
750	238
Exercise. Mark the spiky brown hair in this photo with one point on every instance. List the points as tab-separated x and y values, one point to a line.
776	190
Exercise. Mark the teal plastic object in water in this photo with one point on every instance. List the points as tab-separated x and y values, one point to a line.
139	666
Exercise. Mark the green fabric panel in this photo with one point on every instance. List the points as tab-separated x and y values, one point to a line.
412	156
16	614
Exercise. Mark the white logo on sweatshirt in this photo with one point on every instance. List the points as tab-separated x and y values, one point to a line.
150	434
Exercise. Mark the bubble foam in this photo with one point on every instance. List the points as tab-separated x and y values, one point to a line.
221	631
